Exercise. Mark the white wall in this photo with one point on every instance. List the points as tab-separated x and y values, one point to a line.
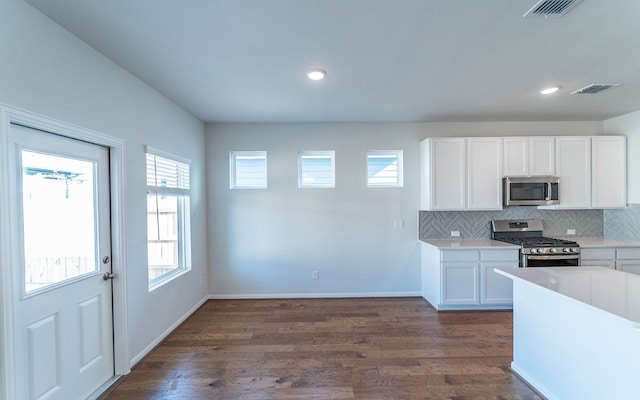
267	242
629	125
46	70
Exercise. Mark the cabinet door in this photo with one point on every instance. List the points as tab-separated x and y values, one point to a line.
529	156
598	257
516	156
630	266
460	283
484	174
496	288
573	166
542	156
448	173
609	171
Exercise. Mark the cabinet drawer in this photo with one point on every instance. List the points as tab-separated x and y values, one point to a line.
598	254
460	255
629	253
499	255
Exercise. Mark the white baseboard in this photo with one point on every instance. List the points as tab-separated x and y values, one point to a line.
166	333
337	295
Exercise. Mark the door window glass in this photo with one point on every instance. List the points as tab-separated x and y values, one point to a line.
58	206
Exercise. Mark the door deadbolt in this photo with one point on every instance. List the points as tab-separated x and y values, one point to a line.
106	259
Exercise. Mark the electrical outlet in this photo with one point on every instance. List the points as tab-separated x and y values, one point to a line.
398	223
315	275
455	233
571	231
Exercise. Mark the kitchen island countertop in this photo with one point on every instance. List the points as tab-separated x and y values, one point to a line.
614	292
576	331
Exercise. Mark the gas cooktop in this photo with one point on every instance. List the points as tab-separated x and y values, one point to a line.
528	235
538	241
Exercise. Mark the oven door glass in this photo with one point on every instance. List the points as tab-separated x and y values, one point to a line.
552	261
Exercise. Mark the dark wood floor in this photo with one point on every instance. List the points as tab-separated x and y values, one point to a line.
375	348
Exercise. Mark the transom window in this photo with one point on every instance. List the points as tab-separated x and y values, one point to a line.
384	168
248	169
316	169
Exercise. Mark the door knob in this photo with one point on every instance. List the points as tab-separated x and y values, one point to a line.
108	276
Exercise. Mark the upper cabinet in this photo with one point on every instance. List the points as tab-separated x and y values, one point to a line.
608	171
465	173
444	173
592	171
573	167
484	178
529	156
461	174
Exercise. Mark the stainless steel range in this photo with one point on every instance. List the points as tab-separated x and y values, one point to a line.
535	249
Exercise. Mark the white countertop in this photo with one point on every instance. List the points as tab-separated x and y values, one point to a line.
470	244
611	291
586	242
602	242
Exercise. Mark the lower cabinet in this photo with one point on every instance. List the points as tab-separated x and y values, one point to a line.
598	257
465	279
625	259
460	283
628	260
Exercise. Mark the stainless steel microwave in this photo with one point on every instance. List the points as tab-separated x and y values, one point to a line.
531	191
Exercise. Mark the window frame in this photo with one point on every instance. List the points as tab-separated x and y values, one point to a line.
183	215
398	154
316	154
233	173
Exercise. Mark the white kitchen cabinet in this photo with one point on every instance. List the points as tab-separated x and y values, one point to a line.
573	167
484	178
529	156
496	288
628	259
598	257
608	172
630	266
621	258
461	174
465	279
444	174
460	283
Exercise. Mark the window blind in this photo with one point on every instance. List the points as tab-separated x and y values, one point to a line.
316	169
167	176
384	168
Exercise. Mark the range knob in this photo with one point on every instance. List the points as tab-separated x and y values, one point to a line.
553	250
534	251
567	250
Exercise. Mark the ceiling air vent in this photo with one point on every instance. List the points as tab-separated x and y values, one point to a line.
595	88
551	8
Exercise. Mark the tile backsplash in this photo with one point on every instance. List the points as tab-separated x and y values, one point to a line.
623	224
476	224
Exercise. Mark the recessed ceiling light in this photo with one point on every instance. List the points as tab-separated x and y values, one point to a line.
316	74
550	90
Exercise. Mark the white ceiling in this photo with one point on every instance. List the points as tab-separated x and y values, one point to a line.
387	60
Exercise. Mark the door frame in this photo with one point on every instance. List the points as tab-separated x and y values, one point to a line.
8	248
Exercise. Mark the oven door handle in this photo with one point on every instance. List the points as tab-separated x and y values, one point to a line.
555	257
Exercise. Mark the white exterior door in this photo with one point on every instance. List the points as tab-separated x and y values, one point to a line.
62	306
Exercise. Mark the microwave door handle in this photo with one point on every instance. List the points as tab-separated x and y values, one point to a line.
546	190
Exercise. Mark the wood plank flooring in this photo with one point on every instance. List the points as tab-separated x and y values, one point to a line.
369	349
